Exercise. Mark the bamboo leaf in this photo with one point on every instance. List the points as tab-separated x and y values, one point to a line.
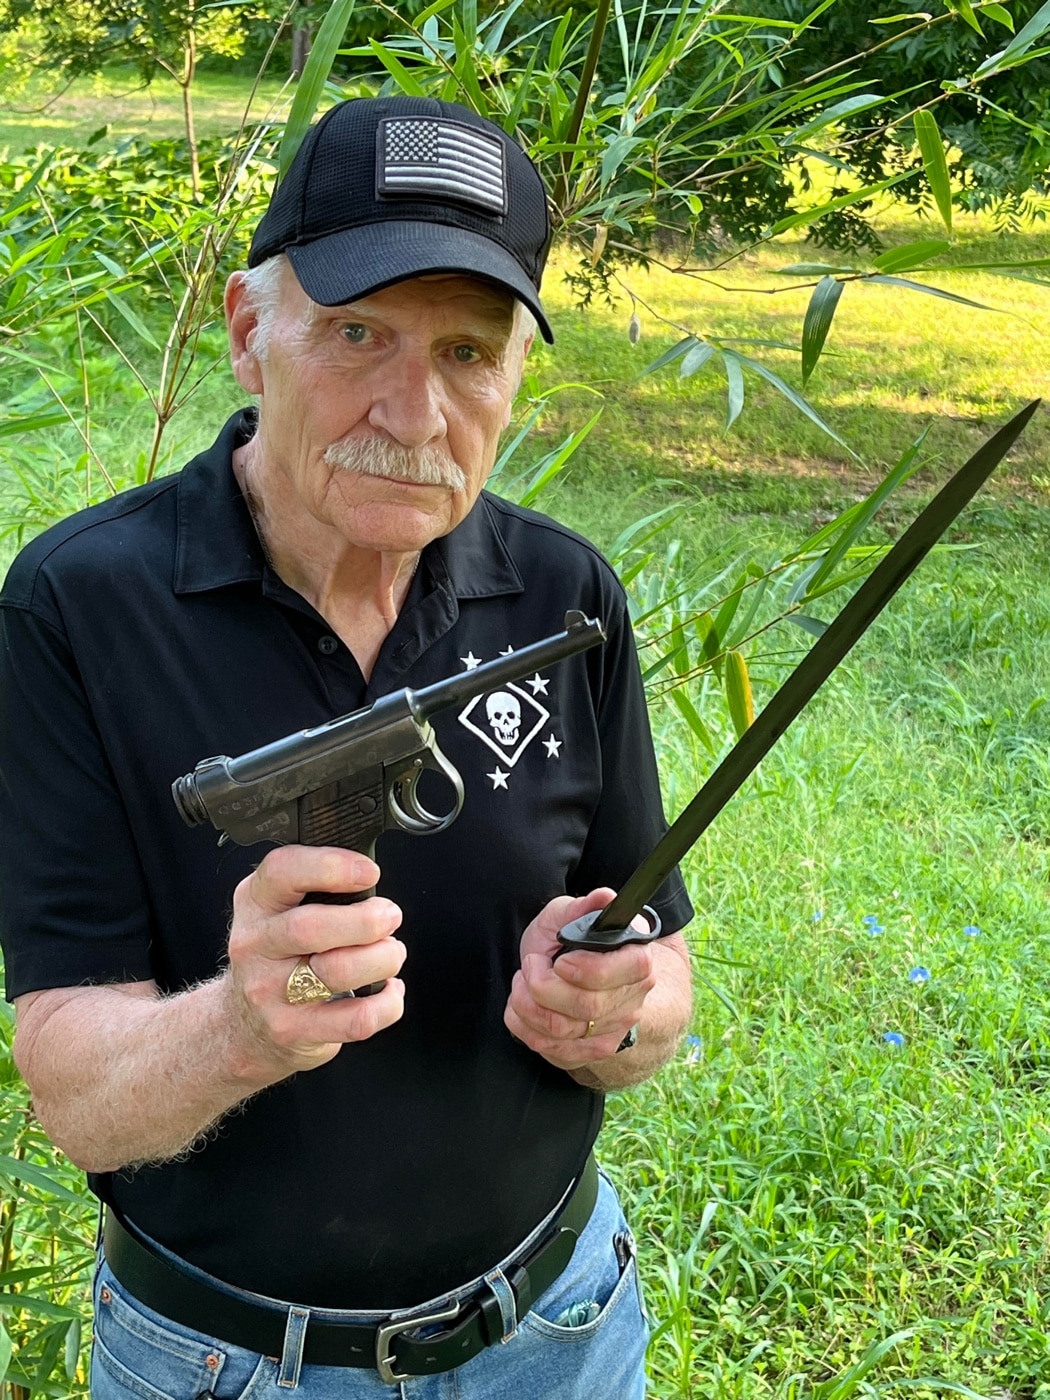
935	163
910	255
964	8
930	291
812	625
13	1169
1019	44
738	692
696	358
808	216
5	1351
734	387
397	70
819	315
860	102
792	396
859	523
675	352
132	317
311	84
811	270
691	715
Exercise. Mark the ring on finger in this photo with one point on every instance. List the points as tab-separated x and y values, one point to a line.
305	986
589	1031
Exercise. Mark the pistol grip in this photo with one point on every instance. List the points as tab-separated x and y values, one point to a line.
318	897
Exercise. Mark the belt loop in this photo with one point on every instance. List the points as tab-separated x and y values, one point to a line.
292	1352
497	1281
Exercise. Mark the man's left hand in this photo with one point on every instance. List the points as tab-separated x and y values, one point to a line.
576	1009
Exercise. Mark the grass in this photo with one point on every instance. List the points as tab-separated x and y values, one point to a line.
804	1190
61	115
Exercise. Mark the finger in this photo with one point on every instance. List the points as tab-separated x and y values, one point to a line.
569	1052
288	873
314	928
620	967
345	969
307	1029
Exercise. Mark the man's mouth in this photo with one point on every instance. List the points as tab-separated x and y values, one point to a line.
415	466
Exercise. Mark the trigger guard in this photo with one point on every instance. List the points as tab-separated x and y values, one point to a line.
417	819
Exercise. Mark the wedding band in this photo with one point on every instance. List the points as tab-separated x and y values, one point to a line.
588	1031
304	985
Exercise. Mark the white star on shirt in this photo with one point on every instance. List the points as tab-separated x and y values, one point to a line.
499	779
539	685
506	651
552	746
470	661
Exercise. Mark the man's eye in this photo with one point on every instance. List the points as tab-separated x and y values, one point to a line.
355	333
466	354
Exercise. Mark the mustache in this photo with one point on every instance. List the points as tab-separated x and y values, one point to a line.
372	456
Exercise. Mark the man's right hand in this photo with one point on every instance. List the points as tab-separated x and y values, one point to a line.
348	945
121	1075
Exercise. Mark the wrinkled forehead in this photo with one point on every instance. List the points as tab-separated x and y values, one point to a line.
467	299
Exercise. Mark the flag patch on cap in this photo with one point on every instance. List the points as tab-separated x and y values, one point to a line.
435	159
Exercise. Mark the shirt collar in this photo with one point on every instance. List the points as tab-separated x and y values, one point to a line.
217	545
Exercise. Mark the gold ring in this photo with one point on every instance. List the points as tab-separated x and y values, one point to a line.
589	1031
304	985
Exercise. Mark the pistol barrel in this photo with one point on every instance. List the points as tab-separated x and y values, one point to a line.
580	633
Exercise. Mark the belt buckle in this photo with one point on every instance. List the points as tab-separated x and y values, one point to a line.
387	1331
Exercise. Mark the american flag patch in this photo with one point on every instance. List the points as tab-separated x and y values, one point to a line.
436	159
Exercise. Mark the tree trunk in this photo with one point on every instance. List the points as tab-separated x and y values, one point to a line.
302	38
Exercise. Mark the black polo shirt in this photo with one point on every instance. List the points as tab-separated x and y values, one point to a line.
147	633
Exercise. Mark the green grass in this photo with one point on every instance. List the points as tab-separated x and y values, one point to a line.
57	114
801	1188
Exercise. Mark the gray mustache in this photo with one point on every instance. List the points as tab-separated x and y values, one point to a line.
422	466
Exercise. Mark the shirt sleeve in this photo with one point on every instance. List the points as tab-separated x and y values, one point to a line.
73	904
629	819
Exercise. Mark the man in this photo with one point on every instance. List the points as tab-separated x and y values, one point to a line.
379	1195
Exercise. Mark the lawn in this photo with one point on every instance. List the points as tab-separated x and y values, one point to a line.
853	1146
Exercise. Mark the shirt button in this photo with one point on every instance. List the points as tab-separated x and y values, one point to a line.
327	646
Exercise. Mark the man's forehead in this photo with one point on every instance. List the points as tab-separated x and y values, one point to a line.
469	296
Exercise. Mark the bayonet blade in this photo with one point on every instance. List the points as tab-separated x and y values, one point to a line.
611	927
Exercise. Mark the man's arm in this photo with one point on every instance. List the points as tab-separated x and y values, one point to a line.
554	1000
120	1075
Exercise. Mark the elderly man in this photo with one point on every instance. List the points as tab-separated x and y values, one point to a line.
368	1196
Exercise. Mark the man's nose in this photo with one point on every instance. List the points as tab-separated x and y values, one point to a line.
409	401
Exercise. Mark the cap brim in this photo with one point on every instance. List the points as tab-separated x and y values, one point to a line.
355	262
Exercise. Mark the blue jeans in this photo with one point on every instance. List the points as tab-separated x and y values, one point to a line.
137	1353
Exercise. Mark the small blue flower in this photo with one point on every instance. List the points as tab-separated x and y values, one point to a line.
919	974
971	930
870	919
875	929
816	918
893	1038
694	1047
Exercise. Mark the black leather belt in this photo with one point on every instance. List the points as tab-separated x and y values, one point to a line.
246	1321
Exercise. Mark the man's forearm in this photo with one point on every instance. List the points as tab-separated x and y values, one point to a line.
120	1075
665	1018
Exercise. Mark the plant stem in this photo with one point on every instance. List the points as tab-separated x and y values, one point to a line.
583	93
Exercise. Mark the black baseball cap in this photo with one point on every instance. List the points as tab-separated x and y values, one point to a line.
387	188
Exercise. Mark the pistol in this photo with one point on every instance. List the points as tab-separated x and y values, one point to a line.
347	781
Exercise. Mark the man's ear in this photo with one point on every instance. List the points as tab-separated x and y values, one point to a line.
242	318
508	411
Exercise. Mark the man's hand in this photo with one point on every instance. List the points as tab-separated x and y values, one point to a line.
348	945
576	1009
94	1057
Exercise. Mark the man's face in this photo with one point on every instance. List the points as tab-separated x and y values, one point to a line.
426	369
